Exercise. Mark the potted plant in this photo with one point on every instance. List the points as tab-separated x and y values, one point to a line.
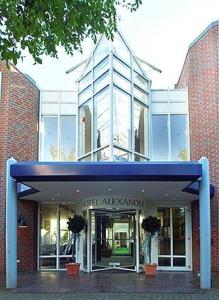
151	225
75	225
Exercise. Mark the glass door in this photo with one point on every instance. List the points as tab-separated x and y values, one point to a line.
173	250
113	240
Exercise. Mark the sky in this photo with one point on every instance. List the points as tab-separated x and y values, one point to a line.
159	32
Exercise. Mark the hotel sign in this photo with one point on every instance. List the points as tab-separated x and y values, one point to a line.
112	202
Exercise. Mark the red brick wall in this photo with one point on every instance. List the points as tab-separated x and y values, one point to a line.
200	75
18	139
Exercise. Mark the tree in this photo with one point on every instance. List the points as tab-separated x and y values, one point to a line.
40	26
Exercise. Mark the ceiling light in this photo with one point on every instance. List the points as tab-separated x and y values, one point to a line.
142	191
166	195
78	191
58	195
109	189
53	199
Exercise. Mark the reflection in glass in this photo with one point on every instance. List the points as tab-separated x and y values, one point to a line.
178	231
121	67
85	127
121	118
65	211
103	154
101	68
86	158
120	155
136	67
47	263
67	138
160	137
164	261
101	82
48	229
140	128
179	146
121	82
139	158
102	113
165	231
50	139
140	94
179	262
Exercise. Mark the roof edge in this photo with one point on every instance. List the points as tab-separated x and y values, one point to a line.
213	24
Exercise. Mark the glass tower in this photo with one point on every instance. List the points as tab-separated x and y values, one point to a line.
113	105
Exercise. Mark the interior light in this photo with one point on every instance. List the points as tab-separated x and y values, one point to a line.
166	195
142	191
78	191
109	189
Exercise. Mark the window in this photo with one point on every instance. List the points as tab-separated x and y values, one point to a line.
102	113
68	138
179	147
85	81
140	94
140	128
101	82
121	49
101	68
160	137
49	138
85	128
122	82
120	155
102	50
140	81
121	118
85	95
121	67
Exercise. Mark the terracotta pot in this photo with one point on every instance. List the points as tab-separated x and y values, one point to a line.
72	268
150	269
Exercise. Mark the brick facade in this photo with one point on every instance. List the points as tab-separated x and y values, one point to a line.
200	75
19	139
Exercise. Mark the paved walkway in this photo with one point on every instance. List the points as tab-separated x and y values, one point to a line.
108	285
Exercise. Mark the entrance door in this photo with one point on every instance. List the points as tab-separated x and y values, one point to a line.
113	240
174	244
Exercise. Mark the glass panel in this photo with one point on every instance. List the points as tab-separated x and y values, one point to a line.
120	155
136	67
84	82
68	97
103	154
179	146
48	229
65	211
160	137
165	231
88	66
113	240
121	49
121	118
87	158
85	242
141	128
85	95
178	231
140	94
179	262
85	128
102	50
121	67
47	263
140	81
49	96
68	138
63	261
101	68
164	261
102	112
49	139
139	158
100	83
120	81
49	109
142	238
